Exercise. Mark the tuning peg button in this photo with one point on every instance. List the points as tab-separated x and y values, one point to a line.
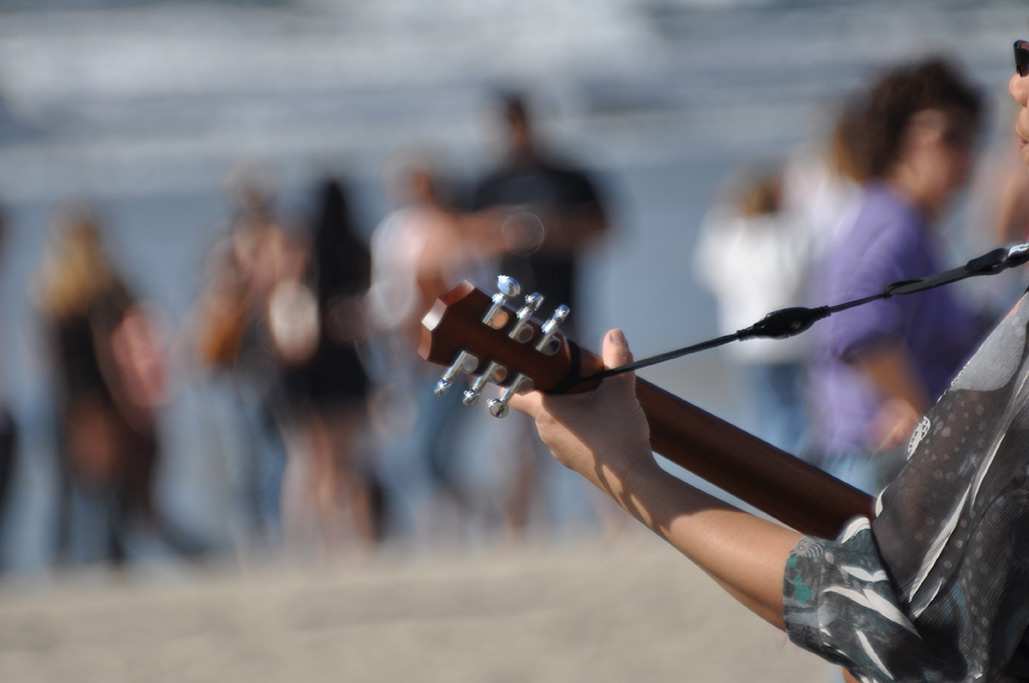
522	331
465	362
508	288
549	330
495	372
498	406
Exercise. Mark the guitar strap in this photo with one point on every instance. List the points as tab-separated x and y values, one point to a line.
788	322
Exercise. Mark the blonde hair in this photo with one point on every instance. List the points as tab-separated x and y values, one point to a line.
75	267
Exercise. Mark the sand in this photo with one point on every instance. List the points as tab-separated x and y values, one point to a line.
615	611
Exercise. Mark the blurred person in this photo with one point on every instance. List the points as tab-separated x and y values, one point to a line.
332	493
234	340
566	203
418	252
753	253
551	212
109	383
420	248
910	142
8	432
819	187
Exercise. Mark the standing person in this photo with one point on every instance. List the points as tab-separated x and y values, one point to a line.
878	367
234	341
332	490
552	212
555	207
418	252
753	253
109	383
8	432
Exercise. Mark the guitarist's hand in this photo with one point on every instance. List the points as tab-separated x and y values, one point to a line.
603	435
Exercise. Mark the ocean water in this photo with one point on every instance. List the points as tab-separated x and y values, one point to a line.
145	107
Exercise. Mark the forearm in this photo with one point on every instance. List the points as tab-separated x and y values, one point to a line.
745	554
604	436
499	231
574	230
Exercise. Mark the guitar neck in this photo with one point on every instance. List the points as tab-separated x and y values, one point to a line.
775	482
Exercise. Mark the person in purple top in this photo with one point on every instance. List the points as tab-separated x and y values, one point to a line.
910	141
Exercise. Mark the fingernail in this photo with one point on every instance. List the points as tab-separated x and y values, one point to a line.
618	337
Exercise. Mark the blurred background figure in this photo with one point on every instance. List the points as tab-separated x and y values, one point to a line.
550	212
332	494
109	382
910	140
754	253
234	342
8	433
819	188
420	251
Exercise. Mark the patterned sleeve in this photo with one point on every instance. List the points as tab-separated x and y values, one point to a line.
839	603
937	587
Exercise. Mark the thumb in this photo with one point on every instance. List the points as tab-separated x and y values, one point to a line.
615	349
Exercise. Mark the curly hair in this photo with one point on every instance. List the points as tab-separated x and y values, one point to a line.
868	136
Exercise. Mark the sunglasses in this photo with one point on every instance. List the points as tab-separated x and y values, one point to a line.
1022	57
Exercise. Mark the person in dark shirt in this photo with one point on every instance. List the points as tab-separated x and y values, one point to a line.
109	384
332	491
548	212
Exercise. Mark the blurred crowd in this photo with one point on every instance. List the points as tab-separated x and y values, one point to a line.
314	325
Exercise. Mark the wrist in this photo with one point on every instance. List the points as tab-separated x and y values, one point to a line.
624	470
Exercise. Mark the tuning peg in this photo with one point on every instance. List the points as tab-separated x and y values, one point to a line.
465	362
522	331
549	330
508	286
498	406
495	372
509	289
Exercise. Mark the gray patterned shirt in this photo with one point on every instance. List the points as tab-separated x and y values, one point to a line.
936	586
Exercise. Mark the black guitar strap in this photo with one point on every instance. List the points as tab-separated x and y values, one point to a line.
787	322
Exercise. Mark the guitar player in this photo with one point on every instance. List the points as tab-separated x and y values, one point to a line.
932	588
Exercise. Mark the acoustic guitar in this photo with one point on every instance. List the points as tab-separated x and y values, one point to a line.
491	340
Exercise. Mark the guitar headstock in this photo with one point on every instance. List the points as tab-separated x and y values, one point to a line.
500	342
